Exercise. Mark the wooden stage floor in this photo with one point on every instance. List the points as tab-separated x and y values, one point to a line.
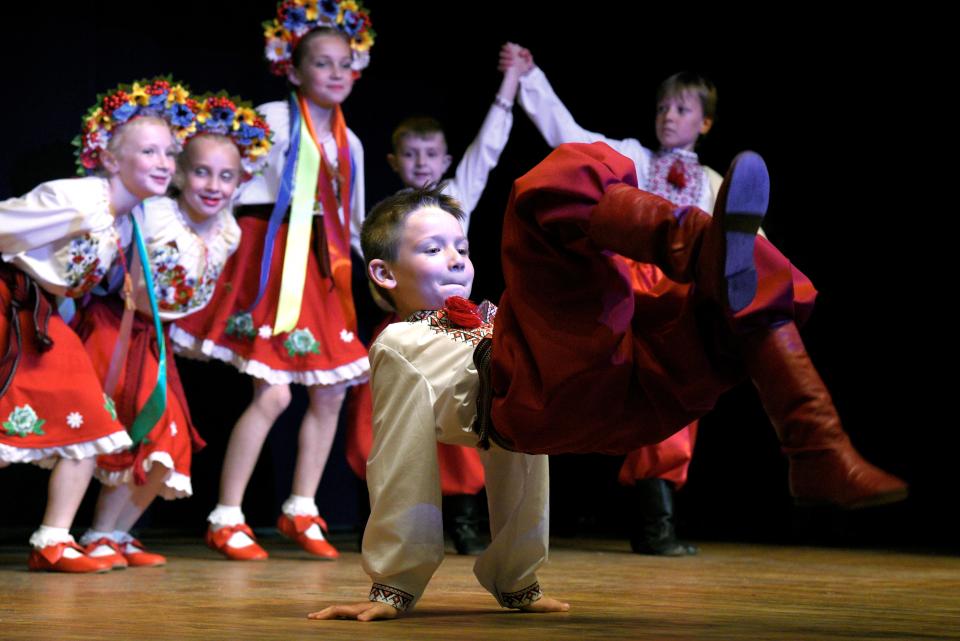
729	591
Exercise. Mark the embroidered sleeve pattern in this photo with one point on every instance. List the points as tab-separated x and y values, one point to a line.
392	596
520	598
84	268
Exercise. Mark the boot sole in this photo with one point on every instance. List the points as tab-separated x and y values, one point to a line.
743	208
877	500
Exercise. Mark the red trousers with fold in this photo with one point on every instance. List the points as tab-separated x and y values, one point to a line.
582	360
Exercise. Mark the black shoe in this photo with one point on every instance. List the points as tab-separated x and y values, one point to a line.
462	515
651	527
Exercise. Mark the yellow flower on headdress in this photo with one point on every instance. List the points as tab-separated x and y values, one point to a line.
275	30
258	148
184	132
363	41
138	95
177	95
244	116
98	118
347	5
204	114
311	12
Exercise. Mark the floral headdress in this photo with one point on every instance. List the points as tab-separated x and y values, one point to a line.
159	97
247	128
297	18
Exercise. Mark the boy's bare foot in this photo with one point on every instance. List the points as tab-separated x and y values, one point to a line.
547	604
366	611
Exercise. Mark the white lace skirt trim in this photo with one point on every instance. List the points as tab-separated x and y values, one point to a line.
343	376
46	457
175	486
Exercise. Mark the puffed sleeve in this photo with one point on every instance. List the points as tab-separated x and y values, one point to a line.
52	212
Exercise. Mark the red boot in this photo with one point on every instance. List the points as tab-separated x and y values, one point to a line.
824	466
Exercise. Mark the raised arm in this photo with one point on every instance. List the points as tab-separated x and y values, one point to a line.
482	155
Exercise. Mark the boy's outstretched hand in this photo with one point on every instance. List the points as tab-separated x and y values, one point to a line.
366	611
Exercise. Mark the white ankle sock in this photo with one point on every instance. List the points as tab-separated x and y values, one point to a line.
303	506
225	516
125	540
92	535
46	535
300	506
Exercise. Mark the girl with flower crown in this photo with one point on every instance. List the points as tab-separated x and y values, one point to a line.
283	312
188	239
59	240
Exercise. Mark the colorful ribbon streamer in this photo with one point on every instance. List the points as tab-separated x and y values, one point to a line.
156	404
298	232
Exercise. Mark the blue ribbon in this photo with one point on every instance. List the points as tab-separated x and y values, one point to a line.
284	195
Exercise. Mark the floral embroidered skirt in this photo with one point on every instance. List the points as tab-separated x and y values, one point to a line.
173	439
54	406
321	350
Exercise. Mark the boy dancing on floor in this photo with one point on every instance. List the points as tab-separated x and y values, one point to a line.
575	359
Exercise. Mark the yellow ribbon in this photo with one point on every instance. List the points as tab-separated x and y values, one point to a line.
298	233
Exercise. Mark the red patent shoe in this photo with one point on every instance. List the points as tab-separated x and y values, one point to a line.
218	540
296	528
51	559
137	557
115	558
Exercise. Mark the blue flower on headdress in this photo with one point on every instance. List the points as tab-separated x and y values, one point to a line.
124	112
158	100
180	115
221	119
295	19
247	134
352	22
329	9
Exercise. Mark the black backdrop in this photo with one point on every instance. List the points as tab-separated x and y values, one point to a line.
854	204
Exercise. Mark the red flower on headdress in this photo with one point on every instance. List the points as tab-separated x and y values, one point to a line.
462	312
676	175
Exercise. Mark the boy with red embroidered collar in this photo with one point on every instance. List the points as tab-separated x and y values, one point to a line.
424	390
420	158
578	358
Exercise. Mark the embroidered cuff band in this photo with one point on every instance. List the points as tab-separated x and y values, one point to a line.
523	597
392	596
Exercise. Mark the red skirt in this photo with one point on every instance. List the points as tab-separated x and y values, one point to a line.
322	350
583	361
173	439
54	406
